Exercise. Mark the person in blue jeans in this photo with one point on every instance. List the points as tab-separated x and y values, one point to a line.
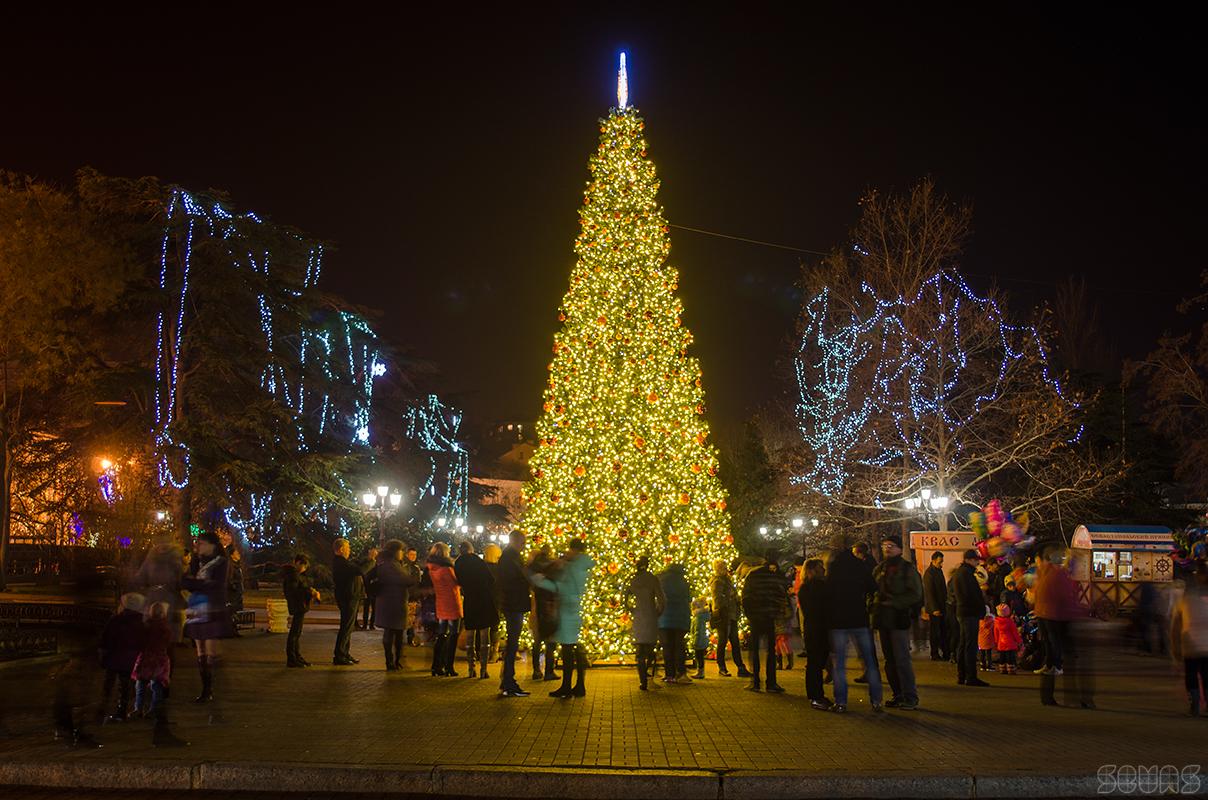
849	585
515	600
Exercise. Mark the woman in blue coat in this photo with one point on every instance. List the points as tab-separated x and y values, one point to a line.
569	586
674	623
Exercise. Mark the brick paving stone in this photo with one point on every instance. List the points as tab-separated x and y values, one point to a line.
362	715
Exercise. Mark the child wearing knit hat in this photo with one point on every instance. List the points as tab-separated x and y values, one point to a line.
1006	639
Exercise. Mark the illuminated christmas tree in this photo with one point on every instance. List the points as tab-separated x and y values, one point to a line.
624	460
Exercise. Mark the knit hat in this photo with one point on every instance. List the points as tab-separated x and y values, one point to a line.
894	538
1004	610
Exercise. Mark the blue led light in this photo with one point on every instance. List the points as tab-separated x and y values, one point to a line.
344	418
870	389
434	427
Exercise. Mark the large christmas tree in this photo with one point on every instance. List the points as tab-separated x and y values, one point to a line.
624	459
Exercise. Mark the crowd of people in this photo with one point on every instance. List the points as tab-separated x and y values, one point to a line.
983	616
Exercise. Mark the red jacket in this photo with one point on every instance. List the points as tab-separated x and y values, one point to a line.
448	593
1006	635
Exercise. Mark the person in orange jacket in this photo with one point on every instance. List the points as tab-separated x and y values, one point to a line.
985	641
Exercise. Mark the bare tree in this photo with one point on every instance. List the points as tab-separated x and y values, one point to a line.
1176	388
909	379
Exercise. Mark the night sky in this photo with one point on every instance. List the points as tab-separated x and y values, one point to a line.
446	157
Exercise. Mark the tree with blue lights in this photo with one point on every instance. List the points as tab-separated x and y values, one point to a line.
910	379
263	385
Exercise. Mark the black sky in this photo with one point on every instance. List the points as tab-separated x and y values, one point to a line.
446	156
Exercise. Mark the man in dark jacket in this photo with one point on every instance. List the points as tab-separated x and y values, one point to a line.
849	583
368	618
970	608
479	613
935	604
899	597
350	590
515	598
764	600
811	599
298	591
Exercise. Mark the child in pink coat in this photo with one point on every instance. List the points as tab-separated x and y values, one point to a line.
1007	640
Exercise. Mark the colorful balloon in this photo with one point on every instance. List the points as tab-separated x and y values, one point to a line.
994	516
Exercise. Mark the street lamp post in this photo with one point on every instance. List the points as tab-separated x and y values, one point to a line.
929	505
799	525
377	501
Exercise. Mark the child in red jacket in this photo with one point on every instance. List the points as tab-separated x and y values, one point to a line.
1007	640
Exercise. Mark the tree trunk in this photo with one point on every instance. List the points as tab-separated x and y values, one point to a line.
6	485
183	515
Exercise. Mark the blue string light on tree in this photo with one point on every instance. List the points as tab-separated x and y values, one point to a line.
879	377
337	351
434	427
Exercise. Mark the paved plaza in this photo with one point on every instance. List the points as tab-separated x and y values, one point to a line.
363	721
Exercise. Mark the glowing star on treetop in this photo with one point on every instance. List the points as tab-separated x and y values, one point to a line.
624	460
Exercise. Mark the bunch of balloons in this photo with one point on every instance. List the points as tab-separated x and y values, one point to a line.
998	533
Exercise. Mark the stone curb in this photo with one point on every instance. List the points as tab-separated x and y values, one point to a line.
516	782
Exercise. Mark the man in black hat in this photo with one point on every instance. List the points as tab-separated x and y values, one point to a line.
899	598
970	608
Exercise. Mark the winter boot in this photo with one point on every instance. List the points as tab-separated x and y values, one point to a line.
580	689
205	667
568	666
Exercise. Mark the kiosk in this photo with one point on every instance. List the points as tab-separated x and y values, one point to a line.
1110	562
952	544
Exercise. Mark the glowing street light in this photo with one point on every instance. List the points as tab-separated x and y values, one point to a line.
382	501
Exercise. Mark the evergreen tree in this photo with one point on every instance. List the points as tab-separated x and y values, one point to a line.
623	459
